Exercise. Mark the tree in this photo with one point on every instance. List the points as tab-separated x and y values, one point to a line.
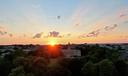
35	65
106	68
89	69
6	63
122	67
18	71
75	66
58	70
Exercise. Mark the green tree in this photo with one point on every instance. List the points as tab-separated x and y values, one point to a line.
122	67
106	68
58	70
89	69
18	71
35	65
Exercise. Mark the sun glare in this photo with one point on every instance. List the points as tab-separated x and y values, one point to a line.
52	42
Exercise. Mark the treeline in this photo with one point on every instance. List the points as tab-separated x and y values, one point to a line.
95	61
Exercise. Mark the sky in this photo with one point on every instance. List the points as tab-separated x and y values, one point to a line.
63	21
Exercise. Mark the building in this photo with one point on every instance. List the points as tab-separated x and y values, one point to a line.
71	52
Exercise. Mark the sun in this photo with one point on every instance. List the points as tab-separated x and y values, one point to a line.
52	42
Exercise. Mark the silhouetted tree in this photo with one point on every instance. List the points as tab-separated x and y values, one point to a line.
122	67
107	68
89	69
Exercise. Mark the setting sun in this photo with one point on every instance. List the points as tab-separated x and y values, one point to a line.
52	42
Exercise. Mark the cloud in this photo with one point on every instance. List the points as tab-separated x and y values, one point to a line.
68	34
5	32
117	17
24	35
77	24
38	35
122	15
108	28
11	35
58	17
2	31
91	34
97	32
54	34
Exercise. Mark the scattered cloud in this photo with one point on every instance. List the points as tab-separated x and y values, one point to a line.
38	35
24	35
11	35
2	31
54	34
97	32
91	34
68	34
58	17
5	32
77	24
122	15
108	28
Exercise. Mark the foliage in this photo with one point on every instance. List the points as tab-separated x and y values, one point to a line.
106	68
89	69
95	61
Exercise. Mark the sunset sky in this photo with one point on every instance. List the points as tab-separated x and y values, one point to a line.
63	21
